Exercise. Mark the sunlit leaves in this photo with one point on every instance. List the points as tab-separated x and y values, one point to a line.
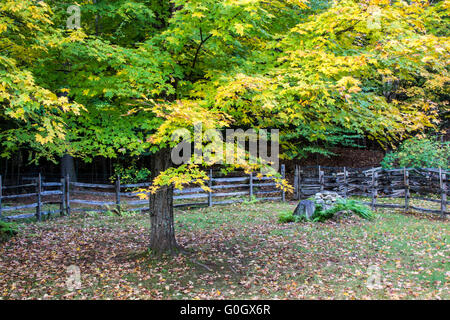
342	68
37	112
321	72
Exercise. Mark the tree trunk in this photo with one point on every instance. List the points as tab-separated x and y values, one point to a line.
105	175
162	233
68	167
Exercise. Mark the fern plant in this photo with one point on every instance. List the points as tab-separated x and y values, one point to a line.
288	216
321	215
7	230
344	205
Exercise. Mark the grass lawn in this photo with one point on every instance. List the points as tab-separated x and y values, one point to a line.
234	252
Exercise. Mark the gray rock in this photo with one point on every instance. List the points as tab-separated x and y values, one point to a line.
305	208
346	216
332	193
326	199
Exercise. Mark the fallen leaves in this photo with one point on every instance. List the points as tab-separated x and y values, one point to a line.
245	254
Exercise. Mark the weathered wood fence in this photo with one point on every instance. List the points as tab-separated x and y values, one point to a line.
376	184
37	190
77	196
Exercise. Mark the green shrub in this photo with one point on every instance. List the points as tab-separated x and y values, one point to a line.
286	217
419	153
344	205
7	230
131	174
321	215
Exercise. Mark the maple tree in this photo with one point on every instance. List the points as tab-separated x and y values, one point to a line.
136	71
34	112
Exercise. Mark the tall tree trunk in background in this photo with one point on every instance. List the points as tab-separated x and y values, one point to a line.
162	233
68	167
19	164
105	175
97	21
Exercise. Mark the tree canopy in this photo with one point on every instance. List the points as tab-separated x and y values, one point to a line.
321	71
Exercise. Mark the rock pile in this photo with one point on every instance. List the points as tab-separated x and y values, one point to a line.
326	199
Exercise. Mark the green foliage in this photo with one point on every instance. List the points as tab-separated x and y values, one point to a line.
287	217
131	174
253	200
7	230
323	72
337	72
320	215
335	137
31	114
419	153
354	206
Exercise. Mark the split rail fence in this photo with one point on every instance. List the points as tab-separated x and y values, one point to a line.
76	196
375	184
425	184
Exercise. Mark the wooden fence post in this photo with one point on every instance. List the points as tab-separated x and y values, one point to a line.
443	187
345	183
1	187
283	175
374	188
296	193
38	198
67	195
63	196
321	180
406	183
210	202
318	173
118	195
250	181
299	182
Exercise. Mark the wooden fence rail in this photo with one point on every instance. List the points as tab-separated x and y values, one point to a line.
376	183
119	196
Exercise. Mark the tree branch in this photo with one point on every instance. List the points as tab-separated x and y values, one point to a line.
202	42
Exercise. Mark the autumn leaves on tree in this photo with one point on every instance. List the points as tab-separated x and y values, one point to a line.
121	84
